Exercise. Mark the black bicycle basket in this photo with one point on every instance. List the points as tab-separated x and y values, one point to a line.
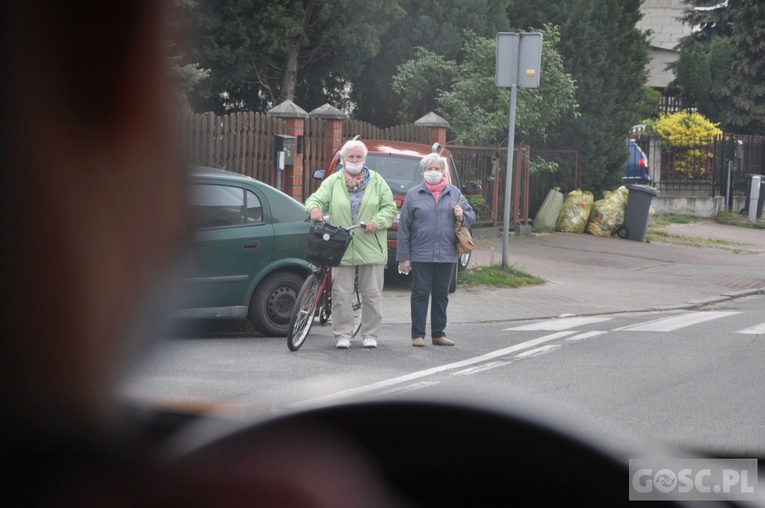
326	244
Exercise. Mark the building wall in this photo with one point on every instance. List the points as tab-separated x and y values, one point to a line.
660	17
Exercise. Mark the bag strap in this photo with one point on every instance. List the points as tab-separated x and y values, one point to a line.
459	200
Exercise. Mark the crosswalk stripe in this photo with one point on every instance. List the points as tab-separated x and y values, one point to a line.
561	324
676	322
754	330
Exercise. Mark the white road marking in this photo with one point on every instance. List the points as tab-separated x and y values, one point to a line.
410	388
388	383
754	330
673	323
586	335
561	324
539	351
480	368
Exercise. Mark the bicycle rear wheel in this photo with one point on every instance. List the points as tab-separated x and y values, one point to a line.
304	311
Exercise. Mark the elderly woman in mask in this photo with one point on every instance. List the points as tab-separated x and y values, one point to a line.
427	246
350	196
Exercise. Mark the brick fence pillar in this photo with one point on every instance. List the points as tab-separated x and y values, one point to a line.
437	126
333	130
294	125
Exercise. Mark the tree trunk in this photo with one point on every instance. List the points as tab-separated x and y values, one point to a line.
289	79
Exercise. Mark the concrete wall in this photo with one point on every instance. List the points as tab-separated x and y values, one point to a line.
695	206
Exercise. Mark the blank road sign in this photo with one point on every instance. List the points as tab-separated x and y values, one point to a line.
519	59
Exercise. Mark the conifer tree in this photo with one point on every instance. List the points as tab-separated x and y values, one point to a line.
606	54
746	86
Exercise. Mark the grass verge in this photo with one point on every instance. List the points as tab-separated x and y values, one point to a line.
495	275
736	219
660	236
657	233
658	221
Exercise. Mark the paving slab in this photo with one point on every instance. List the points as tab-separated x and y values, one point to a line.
589	275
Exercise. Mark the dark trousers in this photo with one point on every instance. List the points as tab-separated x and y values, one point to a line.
430	284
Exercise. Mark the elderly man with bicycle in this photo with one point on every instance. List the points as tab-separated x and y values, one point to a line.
350	196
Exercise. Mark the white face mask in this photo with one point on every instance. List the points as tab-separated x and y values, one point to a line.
433	177
354	168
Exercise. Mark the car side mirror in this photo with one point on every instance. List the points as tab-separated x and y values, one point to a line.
472	189
319	174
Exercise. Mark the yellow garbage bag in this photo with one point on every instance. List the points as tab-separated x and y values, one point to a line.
607	212
575	212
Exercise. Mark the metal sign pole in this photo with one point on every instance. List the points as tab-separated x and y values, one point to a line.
516	51
509	177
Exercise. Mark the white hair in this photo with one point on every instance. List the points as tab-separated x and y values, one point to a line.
426	161
354	143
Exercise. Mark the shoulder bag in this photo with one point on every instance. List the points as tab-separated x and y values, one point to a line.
464	238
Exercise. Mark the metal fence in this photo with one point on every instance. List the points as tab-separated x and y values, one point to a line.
712	167
703	167
487	167
566	177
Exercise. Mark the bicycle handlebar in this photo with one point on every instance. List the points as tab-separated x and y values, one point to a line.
361	224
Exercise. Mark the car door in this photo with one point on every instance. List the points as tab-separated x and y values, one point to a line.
232	243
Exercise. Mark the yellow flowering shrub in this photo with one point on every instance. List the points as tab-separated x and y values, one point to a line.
689	135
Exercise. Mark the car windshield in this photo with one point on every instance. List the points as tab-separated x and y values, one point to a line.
495	323
651	337
401	173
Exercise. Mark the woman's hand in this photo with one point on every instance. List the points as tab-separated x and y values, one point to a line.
458	213
317	215
371	227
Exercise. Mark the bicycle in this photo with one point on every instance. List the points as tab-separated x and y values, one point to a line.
318	288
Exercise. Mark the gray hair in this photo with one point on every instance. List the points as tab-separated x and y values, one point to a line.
354	143
430	159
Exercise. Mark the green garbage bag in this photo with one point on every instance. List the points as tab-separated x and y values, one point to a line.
548	213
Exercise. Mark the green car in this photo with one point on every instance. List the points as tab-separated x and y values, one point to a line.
248	252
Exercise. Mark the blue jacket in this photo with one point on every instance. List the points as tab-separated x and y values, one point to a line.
426	228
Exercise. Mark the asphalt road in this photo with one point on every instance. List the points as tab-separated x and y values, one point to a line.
687	378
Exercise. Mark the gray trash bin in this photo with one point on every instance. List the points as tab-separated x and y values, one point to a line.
637	213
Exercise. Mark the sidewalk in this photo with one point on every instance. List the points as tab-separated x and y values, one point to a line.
594	275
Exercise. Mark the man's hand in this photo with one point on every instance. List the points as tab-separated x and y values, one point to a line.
405	267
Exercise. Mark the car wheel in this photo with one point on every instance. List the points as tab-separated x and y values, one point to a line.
463	260
272	303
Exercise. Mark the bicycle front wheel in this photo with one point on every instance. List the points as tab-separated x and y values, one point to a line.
356	309
304	311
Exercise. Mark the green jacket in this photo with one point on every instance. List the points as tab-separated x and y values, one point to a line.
377	206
